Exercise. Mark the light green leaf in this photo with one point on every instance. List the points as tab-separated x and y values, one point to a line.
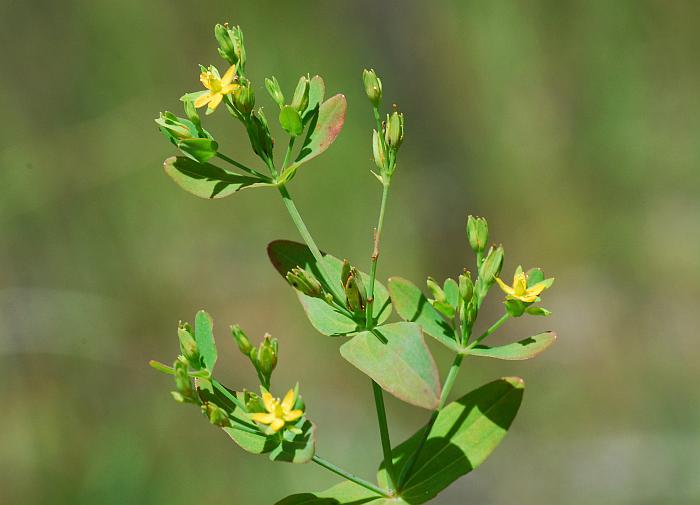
451	289
200	150
465	433
204	336
345	493
290	120
324	127
396	357
523	349
206	180
286	254
297	448
255	443
317	91
412	305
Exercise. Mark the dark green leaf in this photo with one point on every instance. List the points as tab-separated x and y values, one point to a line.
204	336
200	150
206	180
412	305
324	127
345	493
524	349
396	357
464	435
297	448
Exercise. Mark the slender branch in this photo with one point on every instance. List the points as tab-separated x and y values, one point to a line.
246	169
493	328
287	154
347	475
308	239
369	318
447	388
384	434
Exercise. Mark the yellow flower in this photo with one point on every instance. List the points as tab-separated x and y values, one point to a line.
520	290
278	412
217	86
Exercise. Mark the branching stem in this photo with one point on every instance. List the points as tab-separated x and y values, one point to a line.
349	476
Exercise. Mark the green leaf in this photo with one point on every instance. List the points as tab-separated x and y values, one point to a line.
206	180
297	448
204	336
200	150
290	120
324	127
396	357
464	434
412	305
317	91
451	289
287	254
345	493
523	349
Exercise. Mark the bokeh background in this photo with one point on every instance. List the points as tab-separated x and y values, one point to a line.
573	126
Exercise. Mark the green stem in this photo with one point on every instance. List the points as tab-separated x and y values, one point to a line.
384	434
446	389
369	320
347	475
493	328
246	169
308	239
290	146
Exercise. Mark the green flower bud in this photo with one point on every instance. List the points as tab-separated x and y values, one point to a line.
193	115
438	294
267	356
373	86
226	49
259	135
345	272
305	282
355	292
188	346
491	266
273	88
242	340
217	416
238	47
183	381
253	402
173	127
393	135
378	151
538	311
466	286
300	100
244	98
477	233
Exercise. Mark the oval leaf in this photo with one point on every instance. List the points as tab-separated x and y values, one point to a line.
345	493
204	337
465	433
206	180
412	305
523	349
290	120
324	127
395	357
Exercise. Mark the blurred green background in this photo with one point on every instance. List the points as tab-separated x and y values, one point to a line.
573	126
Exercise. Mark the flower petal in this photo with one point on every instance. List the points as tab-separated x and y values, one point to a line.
214	102
505	287
288	402
293	415
202	100
263	418
268	401
228	76
277	424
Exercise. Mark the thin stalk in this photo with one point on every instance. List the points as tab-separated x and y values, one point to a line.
246	169
369	320
308	239
447	388
290	146
384	434
493	328
347	475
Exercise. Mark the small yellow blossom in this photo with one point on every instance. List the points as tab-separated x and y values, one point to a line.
278	412
520	291
217	86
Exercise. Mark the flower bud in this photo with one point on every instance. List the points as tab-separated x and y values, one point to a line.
267	356
436	290
393	136
231	46
244	98
373	86
188	346
242	340
477	233
345	272
378	151
183	382
300	100
192	114
217	416
355	292
259	135
304	282
173	127
273	88
491	266
466	286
